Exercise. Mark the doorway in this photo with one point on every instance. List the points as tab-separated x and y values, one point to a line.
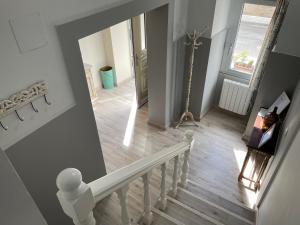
159	24
115	64
139	41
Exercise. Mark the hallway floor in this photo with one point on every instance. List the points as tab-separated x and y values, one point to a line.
215	160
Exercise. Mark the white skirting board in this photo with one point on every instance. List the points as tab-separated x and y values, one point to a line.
235	97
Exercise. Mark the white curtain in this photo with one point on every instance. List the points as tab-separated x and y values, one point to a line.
269	42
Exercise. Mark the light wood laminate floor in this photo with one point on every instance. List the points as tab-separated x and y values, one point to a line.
215	160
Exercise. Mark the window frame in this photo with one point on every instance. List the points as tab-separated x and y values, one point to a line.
232	31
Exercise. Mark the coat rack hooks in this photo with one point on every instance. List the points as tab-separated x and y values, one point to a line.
3	126
34	108
18	100
46	100
18	115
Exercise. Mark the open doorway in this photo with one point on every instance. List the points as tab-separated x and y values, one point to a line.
115	56
115	64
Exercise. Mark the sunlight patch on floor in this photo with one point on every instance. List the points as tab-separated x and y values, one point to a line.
130	124
240	156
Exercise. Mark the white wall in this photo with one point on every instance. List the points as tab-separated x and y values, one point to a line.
19	70
180	24
47	63
218	38
121	51
221	14
93	53
108	47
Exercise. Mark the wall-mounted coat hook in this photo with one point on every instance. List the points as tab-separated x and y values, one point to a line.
34	108
20	118
3	126
46	100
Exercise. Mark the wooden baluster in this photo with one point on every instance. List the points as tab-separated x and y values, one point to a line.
175	176
75	197
163	191
148	216
122	194
185	167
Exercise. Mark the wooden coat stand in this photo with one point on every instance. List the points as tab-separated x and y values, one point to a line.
194	43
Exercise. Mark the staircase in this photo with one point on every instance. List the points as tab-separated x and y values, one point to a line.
194	205
109	200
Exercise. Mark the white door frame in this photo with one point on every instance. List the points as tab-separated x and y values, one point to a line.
161	19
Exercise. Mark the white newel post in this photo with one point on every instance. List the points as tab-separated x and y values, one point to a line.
175	176
75	197
122	194
188	137
163	194
148	216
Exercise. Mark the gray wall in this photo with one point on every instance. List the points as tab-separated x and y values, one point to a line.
159	66
281	203
199	76
282	74
288	39
179	55
287	45
201	14
208	57
71	139
16	205
67	141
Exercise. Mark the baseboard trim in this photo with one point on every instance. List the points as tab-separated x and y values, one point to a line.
157	124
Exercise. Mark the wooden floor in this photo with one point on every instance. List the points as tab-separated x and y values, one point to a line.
217	155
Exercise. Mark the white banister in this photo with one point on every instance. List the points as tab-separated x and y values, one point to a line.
175	176
78	198
163	191
75	197
147	217
106	185
122	194
185	166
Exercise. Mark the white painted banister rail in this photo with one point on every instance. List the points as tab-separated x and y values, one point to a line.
78	198
75	197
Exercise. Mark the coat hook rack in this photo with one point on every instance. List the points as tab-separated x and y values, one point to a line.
194	42
22	98
34	108
20	117
46	100
3	126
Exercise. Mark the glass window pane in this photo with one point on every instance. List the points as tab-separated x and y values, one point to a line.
251	33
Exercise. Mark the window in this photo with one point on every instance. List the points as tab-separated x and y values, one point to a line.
246	42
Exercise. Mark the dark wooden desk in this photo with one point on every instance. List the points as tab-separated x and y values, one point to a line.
266	151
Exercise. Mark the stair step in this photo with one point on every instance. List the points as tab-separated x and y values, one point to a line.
161	218
188	215
210	209
236	208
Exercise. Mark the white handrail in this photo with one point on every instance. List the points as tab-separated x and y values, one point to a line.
78	199
106	185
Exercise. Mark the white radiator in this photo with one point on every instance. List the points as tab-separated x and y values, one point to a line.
235	97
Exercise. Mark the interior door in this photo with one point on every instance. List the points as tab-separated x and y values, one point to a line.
140	58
